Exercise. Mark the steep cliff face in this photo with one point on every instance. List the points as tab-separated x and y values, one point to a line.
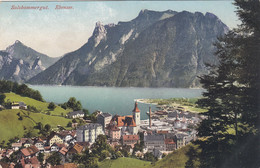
20	63
156	49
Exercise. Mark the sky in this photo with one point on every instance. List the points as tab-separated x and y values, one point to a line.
55	32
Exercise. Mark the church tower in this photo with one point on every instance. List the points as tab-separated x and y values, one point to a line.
136	115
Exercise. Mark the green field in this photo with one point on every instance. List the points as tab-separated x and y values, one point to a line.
124	162
176	159
41	106
189	104
11	126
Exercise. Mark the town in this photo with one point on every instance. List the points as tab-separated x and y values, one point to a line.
165	130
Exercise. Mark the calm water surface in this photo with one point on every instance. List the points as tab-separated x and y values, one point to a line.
112	99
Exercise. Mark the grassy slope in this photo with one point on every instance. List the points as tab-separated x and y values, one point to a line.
10	126
42	106
176	159
124	163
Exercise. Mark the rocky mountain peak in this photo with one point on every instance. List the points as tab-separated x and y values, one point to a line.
149	14
211	15
99	33
99	28
19	62
16	44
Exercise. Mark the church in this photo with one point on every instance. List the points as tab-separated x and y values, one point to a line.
129	124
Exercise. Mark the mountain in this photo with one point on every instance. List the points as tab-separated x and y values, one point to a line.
20	63
156	49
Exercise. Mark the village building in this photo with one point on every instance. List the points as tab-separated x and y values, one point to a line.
55	138
28	142
113	132
76	149
169	145
130	140
47	149
18	105
180	140
129	124
89	132
68	136
104	119
76	114
62	152
16	146
30	162
29	152
55	147
126	124
155	141
39	144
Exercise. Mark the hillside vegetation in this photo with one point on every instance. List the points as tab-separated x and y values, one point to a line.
124	162
11	126
41	106
177	159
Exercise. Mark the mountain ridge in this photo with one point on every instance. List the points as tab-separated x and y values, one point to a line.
19	62
112	56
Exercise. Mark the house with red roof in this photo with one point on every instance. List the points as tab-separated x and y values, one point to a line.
29	152
30	162
129	123
170	145
76	149
130	140
113	132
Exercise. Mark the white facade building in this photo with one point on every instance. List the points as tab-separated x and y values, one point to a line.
89	133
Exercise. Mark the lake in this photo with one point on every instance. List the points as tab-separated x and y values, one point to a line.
115	100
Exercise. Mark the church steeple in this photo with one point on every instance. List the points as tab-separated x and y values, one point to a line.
136	109
136	116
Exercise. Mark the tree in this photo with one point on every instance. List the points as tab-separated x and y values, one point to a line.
51	106
54	159
2	98
86	112
149	157
47	127
39	126
40	157
232	96
73	104
118	154
104	154
69	124
192	155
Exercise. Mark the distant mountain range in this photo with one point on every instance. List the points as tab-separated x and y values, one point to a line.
156	49
20	63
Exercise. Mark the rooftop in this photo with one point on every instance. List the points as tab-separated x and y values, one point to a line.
106	114
29	151
90	126
130	137
75	113
124	121
155	137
